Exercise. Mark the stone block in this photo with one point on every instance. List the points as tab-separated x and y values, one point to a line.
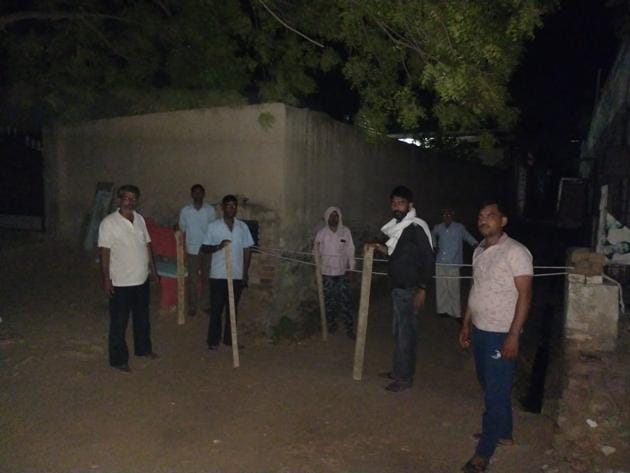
576	278
591	315
579	254
594	280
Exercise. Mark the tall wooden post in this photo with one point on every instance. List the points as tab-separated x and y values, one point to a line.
232	305
320	294
364	306
181	278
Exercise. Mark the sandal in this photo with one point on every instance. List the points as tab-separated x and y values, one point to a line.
476	464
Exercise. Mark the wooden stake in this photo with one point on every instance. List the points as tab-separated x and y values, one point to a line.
320	294
364	306
232	305
181	279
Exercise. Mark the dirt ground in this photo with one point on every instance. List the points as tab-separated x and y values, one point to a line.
288	408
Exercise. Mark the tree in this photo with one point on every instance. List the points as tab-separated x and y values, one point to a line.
412	62
429	61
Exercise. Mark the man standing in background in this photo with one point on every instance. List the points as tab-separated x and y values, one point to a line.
193	220
448	238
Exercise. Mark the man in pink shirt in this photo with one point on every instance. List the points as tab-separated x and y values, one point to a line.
334	245
498	306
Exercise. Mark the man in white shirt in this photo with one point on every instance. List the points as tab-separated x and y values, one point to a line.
498	306
222	231
194	219
126	262
448	240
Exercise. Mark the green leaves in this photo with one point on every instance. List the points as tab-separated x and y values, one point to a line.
414	63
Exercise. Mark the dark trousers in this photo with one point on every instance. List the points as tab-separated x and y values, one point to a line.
495	374
219	304
405	328
127	300
198	267
338	300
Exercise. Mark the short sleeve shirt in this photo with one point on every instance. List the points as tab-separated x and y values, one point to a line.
241	238
493	296
127	244
195	222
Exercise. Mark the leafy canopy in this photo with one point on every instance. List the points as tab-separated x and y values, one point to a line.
413	63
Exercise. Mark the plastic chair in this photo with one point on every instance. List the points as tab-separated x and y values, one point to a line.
165	251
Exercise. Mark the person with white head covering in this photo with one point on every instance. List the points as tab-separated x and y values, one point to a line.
334	245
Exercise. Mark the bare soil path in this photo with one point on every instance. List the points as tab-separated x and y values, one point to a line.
288	408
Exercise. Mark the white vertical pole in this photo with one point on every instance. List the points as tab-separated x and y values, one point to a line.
232	305
364	306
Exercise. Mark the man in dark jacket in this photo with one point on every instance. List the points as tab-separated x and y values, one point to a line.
411	265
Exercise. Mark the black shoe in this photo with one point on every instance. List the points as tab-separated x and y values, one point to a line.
125	367
150	356
398	386
213	347
443	315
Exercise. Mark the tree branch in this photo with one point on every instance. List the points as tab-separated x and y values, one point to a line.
283	23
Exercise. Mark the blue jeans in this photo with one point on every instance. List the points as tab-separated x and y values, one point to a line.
405	328
495	375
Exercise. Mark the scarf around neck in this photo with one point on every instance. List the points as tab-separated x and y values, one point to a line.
393	229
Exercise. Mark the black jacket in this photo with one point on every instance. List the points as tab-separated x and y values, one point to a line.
411	264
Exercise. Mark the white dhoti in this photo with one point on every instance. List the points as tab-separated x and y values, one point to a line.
447	291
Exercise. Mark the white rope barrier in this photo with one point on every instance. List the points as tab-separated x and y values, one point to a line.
376	273
307	253
274	251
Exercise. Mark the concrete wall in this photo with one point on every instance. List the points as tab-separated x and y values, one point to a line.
332	163
224	149
289	170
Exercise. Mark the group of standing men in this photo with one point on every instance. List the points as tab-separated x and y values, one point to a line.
127	264
497	308
498	303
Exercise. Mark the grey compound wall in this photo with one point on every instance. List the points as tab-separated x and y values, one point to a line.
225	149
332	163
290	167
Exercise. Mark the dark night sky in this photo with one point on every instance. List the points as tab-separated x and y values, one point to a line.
554	87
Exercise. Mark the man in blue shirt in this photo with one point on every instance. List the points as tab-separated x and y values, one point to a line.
222	231
448	238
193	220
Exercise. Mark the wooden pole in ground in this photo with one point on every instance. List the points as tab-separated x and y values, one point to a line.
181	278
320	294
232	305
364	306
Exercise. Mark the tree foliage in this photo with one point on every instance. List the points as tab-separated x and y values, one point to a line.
413	63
